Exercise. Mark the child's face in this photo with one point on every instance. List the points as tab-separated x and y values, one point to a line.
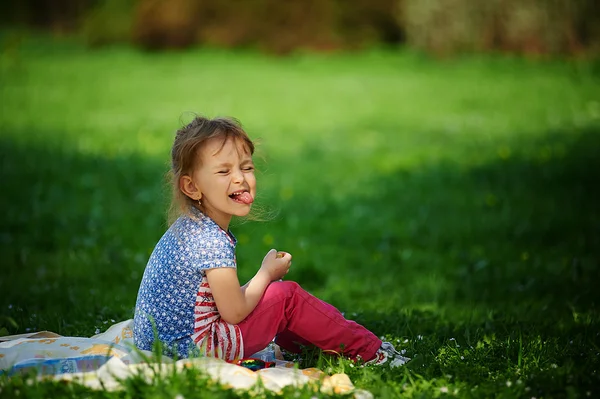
225	179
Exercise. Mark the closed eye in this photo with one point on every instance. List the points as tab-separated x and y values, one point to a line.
223	172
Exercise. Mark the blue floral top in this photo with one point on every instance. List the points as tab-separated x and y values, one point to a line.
175	296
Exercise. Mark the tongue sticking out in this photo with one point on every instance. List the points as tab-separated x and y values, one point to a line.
245	198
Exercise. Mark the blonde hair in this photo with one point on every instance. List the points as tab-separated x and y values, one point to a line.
184	154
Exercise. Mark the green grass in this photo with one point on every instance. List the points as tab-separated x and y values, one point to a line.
450	206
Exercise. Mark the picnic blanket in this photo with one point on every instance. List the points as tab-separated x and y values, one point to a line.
104	360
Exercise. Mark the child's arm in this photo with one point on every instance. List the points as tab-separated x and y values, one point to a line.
235	302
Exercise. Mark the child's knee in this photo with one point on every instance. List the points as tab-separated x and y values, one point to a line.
281	288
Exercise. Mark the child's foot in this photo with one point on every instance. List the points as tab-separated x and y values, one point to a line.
387	354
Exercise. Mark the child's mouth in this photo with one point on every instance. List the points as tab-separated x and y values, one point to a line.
242	197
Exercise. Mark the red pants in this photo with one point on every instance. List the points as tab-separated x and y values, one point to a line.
296	318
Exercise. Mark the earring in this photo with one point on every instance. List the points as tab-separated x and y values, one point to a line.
200	201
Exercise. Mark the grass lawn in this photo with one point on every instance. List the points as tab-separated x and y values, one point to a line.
451	206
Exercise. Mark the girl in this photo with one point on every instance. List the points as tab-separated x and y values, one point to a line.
190	295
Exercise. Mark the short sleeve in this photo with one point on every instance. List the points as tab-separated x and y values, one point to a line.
215	252
208	246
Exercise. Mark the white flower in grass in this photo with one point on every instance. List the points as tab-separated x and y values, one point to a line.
509	383
444	389
179	396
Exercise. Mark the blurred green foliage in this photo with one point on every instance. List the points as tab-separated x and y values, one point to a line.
108	22
534	27
442	27
449	206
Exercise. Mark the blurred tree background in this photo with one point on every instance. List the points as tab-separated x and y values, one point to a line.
443	27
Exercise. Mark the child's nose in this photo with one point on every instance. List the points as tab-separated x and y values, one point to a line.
238	176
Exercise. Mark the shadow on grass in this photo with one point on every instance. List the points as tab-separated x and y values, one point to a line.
522	230
487	272
507	250
76	233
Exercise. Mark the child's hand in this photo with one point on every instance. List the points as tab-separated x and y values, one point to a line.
276	264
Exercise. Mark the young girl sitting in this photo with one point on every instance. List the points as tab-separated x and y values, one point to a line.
190	297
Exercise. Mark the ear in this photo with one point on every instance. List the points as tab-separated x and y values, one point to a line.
189	188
